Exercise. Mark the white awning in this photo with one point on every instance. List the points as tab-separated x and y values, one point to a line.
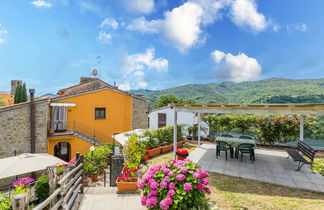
121	138
63	104
26	163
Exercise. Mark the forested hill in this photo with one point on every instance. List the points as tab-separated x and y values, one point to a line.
262	91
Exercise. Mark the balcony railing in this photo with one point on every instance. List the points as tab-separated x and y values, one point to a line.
75	127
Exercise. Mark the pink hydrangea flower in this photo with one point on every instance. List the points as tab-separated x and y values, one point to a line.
183	170
207	190
151	202
167	171
180	177
171	193
171	173
143	200
140	184
187	187
200	186
166	203
203	173
171	185
196	174
204	181
154	185
167	179
163	184
152	193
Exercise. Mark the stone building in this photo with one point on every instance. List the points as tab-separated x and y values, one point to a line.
15	129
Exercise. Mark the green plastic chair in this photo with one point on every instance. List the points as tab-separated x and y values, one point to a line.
248	149
223	146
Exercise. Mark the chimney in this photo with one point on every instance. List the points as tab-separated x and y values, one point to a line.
32	121
14	84
86	79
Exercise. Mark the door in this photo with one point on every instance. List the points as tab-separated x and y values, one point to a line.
59	118
62	150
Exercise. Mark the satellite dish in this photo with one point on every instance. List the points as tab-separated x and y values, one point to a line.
94	72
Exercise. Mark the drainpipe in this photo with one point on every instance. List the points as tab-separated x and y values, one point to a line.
32	121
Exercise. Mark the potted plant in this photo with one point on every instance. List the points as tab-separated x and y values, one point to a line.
127	181
94	175
166	148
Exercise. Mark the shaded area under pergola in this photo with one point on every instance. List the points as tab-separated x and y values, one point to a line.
266	109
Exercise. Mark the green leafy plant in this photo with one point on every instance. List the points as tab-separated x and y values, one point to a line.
5	202
42	188
99	157
134	151
175	185
318	166
21	189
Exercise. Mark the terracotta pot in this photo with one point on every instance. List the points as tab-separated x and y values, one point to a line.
94	177
51	131
127	186
167	148
86	182
155	152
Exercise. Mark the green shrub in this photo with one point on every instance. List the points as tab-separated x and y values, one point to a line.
99	157
153	138
134	151
318	166
42	188
5	202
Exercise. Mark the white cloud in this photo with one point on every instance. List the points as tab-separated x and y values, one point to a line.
180	27
141	61
140	6
144	26
41	4
244	13
3	34
237	68
125	86
104	37
212	9
109	22
297	27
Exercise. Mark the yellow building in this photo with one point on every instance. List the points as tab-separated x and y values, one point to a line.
6	97
90	113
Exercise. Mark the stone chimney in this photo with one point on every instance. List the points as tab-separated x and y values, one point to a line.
14	84
86	79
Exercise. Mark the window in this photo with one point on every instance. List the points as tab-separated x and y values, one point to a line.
100	113
161	120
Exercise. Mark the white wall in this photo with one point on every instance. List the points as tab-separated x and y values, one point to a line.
186	118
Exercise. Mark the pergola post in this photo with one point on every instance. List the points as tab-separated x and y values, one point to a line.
198	128
174	132
301	128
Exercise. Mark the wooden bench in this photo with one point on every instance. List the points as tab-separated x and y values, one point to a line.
306	150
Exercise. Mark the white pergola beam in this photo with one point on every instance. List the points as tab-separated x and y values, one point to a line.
198	116
174	132
301	128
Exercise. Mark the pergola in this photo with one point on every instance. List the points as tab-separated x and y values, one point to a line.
271	109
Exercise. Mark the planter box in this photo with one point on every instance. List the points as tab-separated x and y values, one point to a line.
127	186
86	182
166	148
155	152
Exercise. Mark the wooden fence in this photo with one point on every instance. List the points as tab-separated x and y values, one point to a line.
64	192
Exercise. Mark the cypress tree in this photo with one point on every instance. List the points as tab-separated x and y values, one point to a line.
17	94
23	96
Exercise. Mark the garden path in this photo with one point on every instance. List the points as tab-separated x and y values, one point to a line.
271	166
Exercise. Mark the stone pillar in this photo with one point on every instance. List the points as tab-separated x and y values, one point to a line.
116	166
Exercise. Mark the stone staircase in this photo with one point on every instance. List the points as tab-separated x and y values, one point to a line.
87	138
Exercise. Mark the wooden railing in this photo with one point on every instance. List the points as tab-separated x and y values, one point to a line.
64	192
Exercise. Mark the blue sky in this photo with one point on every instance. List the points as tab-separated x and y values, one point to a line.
157	44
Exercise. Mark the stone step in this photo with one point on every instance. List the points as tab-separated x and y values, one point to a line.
100	190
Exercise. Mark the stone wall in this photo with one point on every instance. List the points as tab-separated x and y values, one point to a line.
140	113
15	128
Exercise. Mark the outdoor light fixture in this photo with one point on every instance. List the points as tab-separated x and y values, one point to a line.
92	148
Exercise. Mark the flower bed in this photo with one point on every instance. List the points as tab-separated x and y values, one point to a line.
127	181
175	185
166	148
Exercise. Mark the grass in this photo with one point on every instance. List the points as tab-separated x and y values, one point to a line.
238	193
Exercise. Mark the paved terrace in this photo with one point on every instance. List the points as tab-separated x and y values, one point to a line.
271	166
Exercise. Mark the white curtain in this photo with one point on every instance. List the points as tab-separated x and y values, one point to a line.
59	117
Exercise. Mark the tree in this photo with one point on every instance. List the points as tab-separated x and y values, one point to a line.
23	96
17	94
2	103
164	100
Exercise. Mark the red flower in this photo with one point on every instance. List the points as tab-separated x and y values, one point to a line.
147	149
145	158
124	169
135	169
149	154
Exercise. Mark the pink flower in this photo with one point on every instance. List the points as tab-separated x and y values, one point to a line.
163	184
166	203
187	187
200	186
183	170
203	173
152	193
171	185
171	173
196	174
151	202
180	177
154	185
167	179
143	200
140	184
167	171
171	193
204	181
207	190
